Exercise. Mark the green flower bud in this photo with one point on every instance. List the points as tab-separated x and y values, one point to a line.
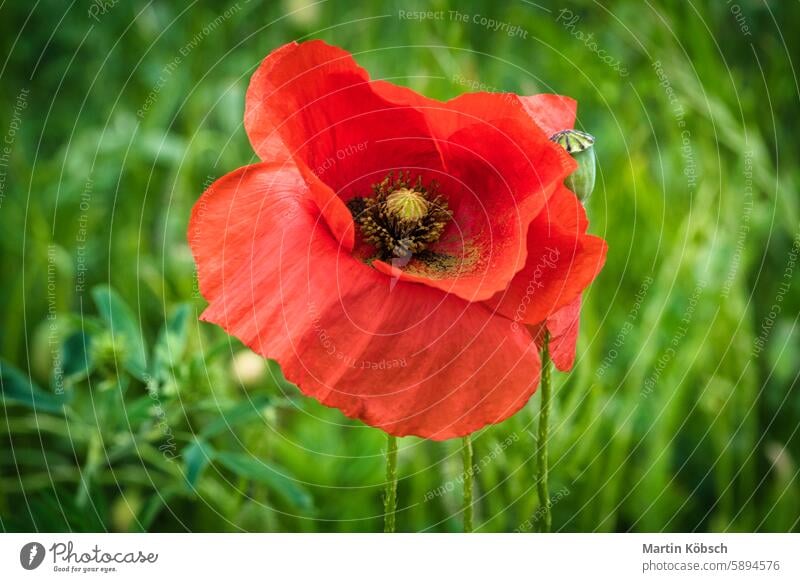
580	146
108	353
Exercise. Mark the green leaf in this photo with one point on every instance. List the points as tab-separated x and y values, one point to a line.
76	363
138	410
16	387
120	320
153	507
171	343
196	457
236	416
273	476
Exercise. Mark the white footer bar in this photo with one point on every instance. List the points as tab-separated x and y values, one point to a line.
401	557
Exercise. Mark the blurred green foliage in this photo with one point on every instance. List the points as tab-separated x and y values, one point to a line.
122	412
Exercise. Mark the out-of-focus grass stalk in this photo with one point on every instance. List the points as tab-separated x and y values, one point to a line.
390	492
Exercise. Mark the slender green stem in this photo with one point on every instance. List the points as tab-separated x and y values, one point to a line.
546	519
466	457
390	491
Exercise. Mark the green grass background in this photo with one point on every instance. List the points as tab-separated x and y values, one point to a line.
674	417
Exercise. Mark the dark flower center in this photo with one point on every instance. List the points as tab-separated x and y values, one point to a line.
402	218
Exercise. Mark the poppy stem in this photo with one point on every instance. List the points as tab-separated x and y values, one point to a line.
466	457
390	490
546	519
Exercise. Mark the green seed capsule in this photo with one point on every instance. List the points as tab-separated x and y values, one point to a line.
407	205
580	146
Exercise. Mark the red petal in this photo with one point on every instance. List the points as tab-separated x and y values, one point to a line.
553	113
314	100
335	212
563	326
566	211
406	358
562	261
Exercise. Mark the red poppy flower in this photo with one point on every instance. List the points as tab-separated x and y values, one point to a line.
390	250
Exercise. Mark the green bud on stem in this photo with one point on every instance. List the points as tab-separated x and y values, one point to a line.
580	146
